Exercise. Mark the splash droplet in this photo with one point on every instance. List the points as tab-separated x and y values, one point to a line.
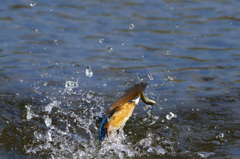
150	76
122	43
110	49
101	40
177	26
48	121
89	72
170	116
90	95
71	84
44	74
167	52
30	113
131	26
48	108
32	4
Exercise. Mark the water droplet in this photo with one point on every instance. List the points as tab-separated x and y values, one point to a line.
45	48
30	113
150	149
32	4
21	80
48	121
44	74
194	38
49	135
150	76
230	23
177	26
226	92
55	40
36	30
101	40
104	84
168	52
221	135
71	84
131	26
170	116
45	84
48	108
155	118
171	78
110	49
89	94
51	10
122	43
160	151
89	72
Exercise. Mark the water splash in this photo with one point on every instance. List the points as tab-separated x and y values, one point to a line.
30	113
48	121
48	108
72	131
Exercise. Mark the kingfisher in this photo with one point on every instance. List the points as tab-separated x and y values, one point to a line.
117	115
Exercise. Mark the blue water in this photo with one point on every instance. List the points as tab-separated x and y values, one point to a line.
191	49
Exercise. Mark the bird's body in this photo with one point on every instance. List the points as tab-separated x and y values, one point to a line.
118	114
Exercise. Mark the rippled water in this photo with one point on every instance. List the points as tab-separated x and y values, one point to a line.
63	63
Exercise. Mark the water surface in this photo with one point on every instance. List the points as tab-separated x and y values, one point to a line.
191	49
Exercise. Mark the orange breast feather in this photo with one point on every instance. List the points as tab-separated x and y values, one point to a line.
120	116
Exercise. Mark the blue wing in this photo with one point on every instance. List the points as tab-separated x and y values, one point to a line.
102	130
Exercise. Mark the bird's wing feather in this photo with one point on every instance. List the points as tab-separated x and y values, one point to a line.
127	96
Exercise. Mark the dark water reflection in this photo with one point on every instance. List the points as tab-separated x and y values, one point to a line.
191	49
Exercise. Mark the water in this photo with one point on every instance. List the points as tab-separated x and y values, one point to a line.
89	72
187	52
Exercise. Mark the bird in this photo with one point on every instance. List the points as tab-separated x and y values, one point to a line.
117	115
